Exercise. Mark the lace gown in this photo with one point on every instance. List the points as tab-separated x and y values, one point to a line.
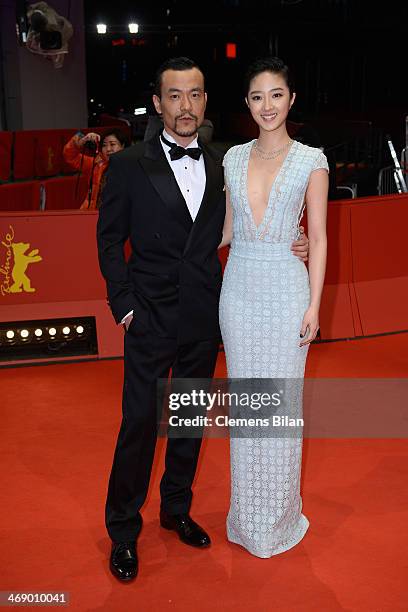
264	296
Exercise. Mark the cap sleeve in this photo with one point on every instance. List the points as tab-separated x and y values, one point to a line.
320	162
225	163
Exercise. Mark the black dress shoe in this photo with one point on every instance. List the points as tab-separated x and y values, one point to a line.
123	560
189	532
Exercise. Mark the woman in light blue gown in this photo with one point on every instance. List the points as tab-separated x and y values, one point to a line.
269	308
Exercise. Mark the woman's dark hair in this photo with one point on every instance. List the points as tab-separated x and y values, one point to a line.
268	64
174	63
118	133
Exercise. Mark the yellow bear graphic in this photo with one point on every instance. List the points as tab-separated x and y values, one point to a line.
21	261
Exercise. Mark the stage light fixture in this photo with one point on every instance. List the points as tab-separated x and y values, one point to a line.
133	28
101	28
47	338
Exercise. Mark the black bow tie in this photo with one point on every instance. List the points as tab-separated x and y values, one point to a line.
177	152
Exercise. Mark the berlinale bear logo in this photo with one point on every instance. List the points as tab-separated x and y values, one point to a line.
15	279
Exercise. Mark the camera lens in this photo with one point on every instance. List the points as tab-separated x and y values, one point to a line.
50	40
91	146
38	21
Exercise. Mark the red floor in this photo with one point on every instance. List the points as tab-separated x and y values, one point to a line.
59	429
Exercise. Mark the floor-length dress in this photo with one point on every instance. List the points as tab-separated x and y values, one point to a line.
264	296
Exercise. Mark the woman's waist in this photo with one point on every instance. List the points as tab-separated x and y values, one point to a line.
262	251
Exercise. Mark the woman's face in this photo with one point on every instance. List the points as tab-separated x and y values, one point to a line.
110	145
269	100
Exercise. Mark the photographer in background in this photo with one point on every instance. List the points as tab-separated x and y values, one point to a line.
90	155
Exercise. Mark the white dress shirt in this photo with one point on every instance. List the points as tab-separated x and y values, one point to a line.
190	176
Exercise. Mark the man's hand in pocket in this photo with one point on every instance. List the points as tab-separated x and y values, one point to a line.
127	321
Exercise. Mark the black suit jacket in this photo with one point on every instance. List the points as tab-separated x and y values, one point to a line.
173	278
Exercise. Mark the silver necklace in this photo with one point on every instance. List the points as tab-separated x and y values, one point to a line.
270	154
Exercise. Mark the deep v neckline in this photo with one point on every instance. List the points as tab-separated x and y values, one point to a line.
246	173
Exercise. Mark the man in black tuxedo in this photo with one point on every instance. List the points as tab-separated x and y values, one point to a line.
167	196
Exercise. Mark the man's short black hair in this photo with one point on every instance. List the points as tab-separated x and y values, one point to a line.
174	63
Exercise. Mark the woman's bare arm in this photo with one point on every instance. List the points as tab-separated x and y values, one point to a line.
227	229
316	206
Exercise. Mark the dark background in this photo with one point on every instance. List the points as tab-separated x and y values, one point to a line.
349	59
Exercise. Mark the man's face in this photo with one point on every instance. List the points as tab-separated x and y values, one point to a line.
182	102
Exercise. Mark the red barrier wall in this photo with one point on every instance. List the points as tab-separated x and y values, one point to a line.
69	266
366	285
17	196
6	139
47	154
380	263
66	281
65	192
338	317
23	163
365	292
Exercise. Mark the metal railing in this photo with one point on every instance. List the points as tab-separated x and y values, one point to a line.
393	179
388	182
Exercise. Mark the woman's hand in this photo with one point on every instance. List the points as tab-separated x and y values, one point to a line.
310	325
91	136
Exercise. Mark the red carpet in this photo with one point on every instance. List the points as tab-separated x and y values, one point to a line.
59	426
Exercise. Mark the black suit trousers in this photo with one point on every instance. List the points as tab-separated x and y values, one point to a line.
148	357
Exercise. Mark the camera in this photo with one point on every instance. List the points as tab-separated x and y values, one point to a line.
48	32
50	40
91	147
